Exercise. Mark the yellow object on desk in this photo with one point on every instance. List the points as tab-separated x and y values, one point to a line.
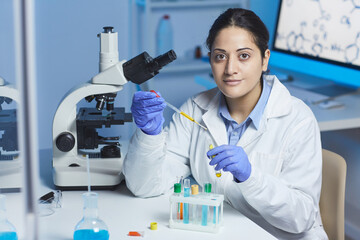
153	226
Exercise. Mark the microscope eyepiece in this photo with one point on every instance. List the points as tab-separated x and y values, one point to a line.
108	29
165	58
143	67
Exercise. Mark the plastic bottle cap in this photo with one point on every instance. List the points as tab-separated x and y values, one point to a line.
166	16
153	226
194	189
177	188
208	187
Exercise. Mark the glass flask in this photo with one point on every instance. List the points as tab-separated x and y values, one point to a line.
7	230
90	226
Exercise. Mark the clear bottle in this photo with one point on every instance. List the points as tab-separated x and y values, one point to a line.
164	35
90	226
7	230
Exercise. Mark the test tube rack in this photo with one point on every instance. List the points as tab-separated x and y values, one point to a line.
212	203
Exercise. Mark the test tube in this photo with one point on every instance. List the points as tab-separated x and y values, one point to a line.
177	192
194	193
217	172
186	205
205	208
180	181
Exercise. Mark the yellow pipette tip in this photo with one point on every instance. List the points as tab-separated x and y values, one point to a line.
200	125
193	120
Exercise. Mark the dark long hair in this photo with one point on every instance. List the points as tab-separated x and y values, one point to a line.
241	18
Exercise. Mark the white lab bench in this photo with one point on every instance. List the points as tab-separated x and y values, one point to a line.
122	212
339	118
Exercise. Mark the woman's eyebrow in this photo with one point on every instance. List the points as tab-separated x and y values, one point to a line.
240	49
245	48
219	49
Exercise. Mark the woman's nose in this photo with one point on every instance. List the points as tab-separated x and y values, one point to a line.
231	66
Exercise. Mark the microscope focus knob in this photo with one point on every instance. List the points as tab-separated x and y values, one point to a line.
65	142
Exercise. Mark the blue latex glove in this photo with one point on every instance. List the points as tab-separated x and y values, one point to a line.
147	110
232	159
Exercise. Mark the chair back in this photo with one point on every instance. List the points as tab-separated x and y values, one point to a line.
332	198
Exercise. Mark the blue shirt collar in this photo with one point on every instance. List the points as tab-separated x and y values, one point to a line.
256	113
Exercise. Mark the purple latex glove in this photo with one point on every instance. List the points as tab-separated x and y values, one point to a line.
232	159
147	110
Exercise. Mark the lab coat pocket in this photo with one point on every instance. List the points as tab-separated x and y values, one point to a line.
267	163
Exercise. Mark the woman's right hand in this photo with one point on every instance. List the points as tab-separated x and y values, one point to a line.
147	110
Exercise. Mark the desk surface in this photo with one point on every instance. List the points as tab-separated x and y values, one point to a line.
122	212
345	117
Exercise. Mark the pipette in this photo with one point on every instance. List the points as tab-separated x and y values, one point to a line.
181	112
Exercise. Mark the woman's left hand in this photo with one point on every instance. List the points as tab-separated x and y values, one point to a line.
232	159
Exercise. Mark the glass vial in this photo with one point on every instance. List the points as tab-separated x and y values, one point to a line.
90	226
7	230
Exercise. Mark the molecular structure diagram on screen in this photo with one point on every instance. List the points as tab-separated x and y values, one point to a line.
352	50
318	35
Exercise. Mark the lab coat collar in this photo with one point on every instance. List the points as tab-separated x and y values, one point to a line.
279	104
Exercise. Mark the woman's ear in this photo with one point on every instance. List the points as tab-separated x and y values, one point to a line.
266	60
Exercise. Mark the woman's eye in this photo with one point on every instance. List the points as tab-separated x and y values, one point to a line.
220	57
244	56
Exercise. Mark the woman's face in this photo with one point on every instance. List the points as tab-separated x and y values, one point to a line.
237	63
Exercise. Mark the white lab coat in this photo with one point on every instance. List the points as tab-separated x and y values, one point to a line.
282	193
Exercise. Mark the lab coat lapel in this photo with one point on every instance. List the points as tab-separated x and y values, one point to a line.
215	126
279	104
251	133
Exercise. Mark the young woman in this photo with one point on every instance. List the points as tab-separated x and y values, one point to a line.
267	143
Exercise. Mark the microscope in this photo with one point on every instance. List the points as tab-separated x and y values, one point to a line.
10	160
78	148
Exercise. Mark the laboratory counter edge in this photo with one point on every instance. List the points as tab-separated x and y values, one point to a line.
121	211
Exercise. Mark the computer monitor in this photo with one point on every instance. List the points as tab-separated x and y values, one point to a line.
319	37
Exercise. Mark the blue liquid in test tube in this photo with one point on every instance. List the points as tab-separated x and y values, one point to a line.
204	215
205	208
186	205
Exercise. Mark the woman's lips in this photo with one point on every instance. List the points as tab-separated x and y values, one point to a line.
232	82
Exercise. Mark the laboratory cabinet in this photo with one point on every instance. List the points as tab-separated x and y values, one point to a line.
190	22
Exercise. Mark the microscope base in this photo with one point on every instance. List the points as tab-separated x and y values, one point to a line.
10	175
75	178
